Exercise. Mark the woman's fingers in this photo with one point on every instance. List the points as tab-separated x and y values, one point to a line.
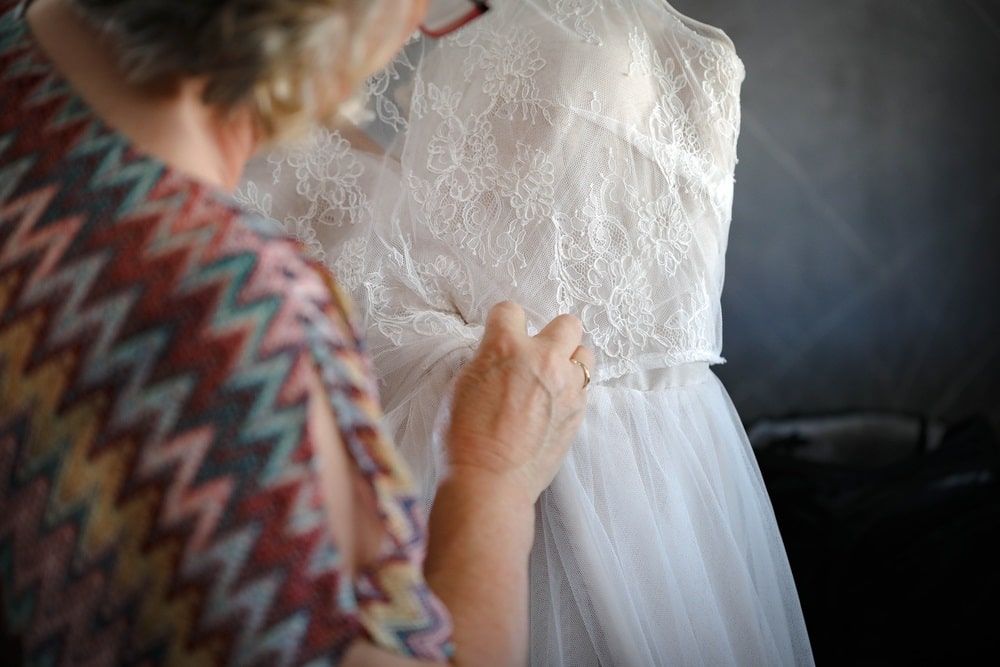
564	333
506	318
520	399
563	330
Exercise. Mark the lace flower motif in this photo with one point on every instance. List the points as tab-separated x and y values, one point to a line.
690	327
328	175
575	13
589	241
379	87
529	183
349	263
442	280
463	156
254	200
669	229
621	326
507	65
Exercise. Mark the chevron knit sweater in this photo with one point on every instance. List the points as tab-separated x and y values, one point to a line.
159	499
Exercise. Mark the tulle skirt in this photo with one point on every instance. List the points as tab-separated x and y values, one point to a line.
657	544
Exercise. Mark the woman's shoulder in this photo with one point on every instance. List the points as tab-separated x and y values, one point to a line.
306	284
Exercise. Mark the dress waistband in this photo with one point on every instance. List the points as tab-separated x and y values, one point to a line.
661	378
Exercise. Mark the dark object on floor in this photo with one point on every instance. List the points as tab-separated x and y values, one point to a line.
895	562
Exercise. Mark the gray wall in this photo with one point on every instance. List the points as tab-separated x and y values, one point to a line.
863	264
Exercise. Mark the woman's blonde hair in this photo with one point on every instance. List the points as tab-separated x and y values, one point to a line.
292	60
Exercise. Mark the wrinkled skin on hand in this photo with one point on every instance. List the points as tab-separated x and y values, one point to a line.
519	401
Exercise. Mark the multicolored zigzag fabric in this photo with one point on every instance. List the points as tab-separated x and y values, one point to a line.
159	498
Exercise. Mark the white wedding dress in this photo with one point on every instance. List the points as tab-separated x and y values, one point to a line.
575	156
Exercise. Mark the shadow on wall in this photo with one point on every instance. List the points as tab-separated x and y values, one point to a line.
863	266
862	312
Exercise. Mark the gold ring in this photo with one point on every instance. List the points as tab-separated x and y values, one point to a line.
586	371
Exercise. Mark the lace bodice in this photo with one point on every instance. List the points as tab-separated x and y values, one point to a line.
571	160
574	156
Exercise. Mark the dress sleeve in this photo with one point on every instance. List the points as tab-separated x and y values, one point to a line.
422	322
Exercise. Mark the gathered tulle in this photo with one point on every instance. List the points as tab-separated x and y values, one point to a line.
656	544
574	156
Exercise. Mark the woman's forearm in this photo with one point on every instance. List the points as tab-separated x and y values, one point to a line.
477	564
481	533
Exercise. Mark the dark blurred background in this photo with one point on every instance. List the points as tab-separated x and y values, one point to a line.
862	312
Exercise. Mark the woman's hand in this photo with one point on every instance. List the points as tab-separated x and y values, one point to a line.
519	402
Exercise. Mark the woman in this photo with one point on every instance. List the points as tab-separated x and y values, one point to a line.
572	156
192	470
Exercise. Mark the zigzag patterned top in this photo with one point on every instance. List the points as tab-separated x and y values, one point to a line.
159	498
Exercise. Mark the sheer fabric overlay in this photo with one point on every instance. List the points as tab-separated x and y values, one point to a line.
574	156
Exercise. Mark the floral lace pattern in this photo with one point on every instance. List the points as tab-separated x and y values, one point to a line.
569	164
573	156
